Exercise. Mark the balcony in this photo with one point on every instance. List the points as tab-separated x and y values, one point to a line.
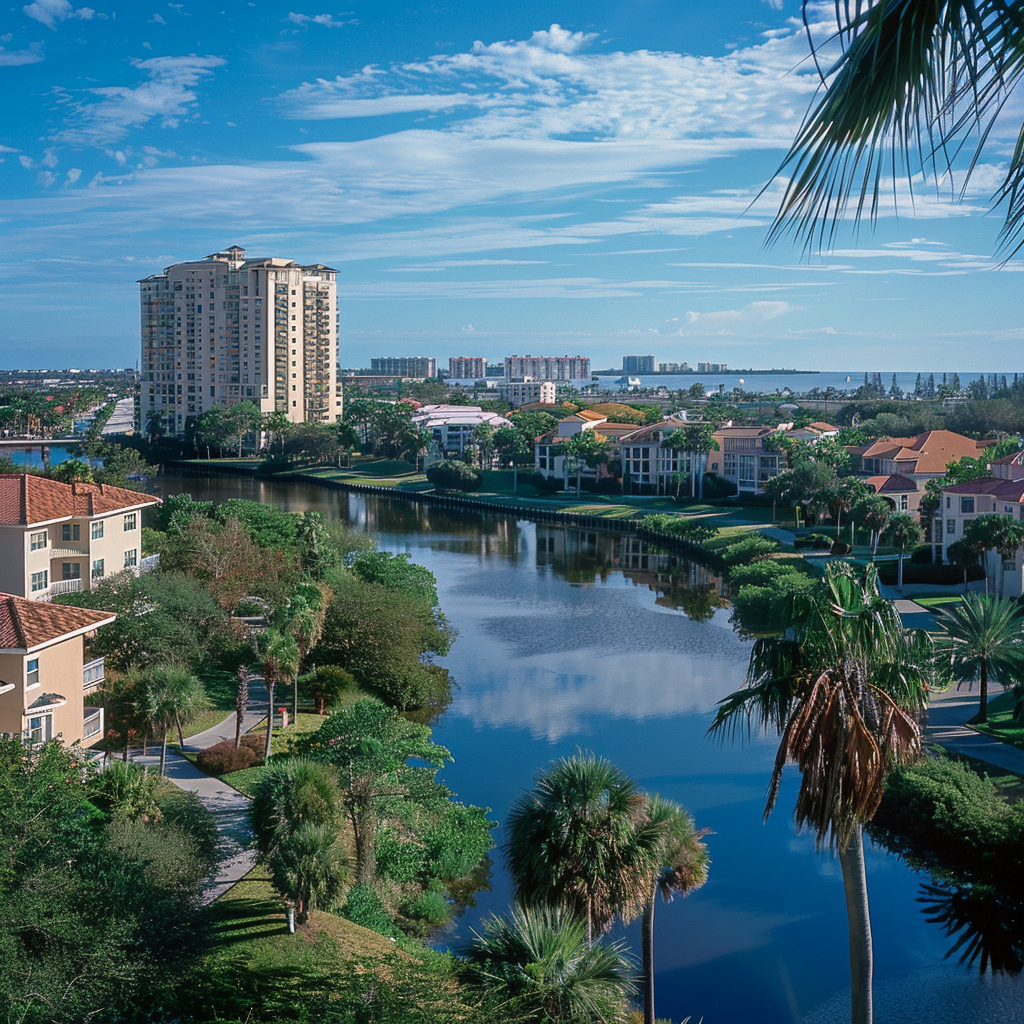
93	673
66	552
92	725
58	587
149	563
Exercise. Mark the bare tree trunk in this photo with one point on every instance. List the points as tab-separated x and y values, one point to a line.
855	884
648	959
270	719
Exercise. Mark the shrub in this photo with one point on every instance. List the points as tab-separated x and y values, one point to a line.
839	547
454	475
546	484
749	549
763	573
184	811
363	906
813	540
225	757
947	575
766	609
943	808
716	487
430	909
257	743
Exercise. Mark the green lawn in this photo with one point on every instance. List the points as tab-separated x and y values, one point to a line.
1001	723
938	600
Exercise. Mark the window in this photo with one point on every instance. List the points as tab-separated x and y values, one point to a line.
97	568
966	505
903	503
949	501
40	729
950	526
40	581
71	531
131	558
97	530
71	570
32	672
37	541
131	519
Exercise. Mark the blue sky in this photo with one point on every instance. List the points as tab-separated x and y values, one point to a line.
487	178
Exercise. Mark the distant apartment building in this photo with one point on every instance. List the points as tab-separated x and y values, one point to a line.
675	368
58	538
44	677
712	368
452	428
547	367
639	364
525	392
226	329
403	366
467	367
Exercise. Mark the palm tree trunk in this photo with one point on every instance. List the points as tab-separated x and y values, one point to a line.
983	694
181	734
295	699
163	752
270	718
648	959
855	884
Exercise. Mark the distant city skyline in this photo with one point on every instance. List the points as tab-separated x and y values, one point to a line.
487	179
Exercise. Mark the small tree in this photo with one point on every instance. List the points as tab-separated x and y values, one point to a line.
309	868
454	475
874	512
904	533
280	664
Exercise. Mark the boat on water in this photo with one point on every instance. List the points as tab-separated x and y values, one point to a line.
629	382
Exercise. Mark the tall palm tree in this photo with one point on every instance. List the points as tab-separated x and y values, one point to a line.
309	867
914	77
280	664
304	619
580	839
904	532
981	638
681	867
540	964
169	695
842	687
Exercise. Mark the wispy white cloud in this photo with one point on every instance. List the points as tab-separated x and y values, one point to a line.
719	320
15	58
326	20
49	12
165	98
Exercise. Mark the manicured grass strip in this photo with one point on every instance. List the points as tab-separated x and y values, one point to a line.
937	600
1001	724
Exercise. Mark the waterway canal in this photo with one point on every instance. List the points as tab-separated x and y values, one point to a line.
574	639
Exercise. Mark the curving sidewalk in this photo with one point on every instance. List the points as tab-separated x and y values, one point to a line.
229	807
948	714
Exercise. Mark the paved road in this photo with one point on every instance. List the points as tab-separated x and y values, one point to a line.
229	808
947	713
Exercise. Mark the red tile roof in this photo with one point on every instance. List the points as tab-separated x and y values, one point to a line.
929	452
25	624
891	484
1008	490
26	499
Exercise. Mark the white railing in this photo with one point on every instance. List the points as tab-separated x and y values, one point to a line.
58	587
149	563
93	672
61	552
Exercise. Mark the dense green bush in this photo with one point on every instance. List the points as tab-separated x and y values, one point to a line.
546	484
763	573
454	475
681	527
364	907
751	548
716	487
813	541
942	809
946	575
765	609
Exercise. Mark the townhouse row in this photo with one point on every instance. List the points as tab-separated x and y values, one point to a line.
58	538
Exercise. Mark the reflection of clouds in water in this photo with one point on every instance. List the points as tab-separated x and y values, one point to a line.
554	699
714	930
934	994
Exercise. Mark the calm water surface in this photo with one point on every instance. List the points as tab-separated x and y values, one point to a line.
569	639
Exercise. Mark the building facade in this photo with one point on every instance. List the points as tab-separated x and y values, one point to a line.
58	538
467	367
712	368
45	680
526	392
452	428
403	366
225	329
547	367
639	364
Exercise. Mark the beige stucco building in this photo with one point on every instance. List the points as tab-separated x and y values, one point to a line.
44	679
58	538
226	329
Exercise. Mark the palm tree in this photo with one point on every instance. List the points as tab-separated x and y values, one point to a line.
683	868
169	695
581	839
998	533
280	664
904	532
291	794
306	613
541	965
874	512
843	687
914	77
981	638
309	867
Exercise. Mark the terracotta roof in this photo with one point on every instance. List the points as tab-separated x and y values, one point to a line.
1008	490
743	431
820	425
25	624
929	452
1013	459
26	499
587	416
893	483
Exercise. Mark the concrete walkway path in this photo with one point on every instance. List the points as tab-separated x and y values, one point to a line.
229	807
947	714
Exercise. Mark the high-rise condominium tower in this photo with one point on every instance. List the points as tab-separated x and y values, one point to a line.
224	329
